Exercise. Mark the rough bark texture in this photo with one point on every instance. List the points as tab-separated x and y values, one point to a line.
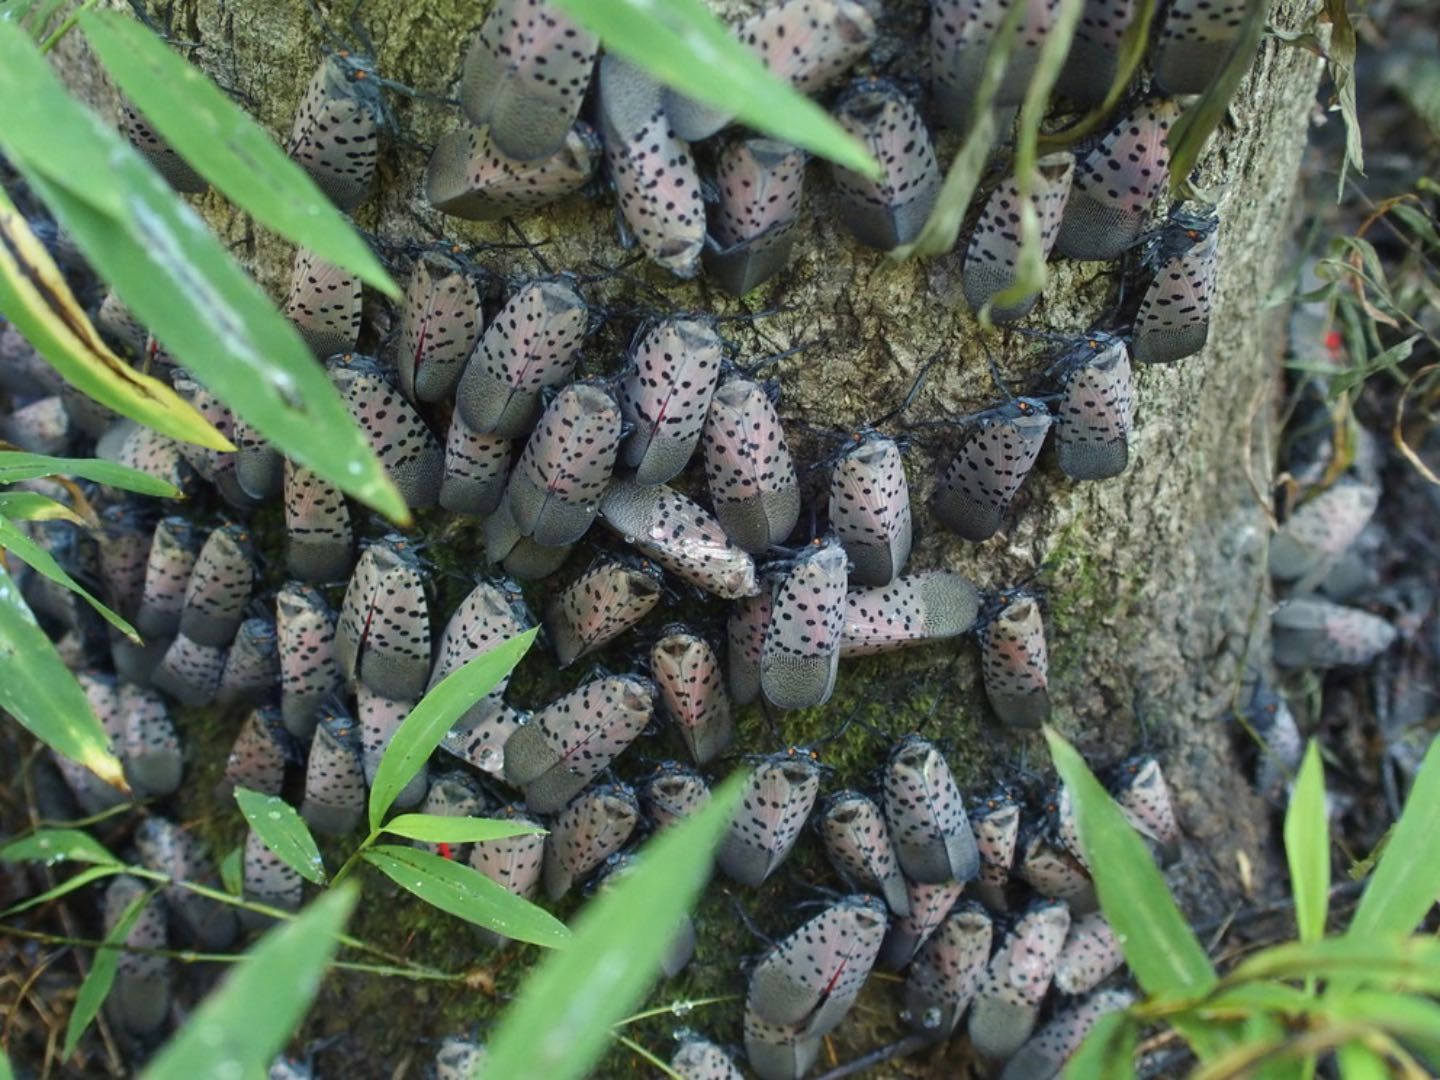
1152	582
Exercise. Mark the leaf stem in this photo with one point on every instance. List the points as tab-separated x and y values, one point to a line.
66	26
349	864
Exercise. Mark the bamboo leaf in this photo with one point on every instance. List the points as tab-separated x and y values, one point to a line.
436	829
1409	963
177	278
40	692
1108	1052
16	465
36	298
30	506
561	1022
225	146
69	885
96	987
467	894
1407	877
422	731
1307	847
51	846
256	1008
283	831
684	46
44	564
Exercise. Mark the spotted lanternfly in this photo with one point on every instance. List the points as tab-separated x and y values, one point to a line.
1282	746
139	1000
946	972
681	536
480	736
994	458
459	1058
1094	415
1140	789
993	254
383	637
555	488
698	1058
673	792
1173	321
665	396
190	672
571	740
929	904
526	75
309	675
933	606
1066	826
529	345
1309	632
149	745
154	149
41	427
801	652
399	436
687	673
652	168
587	832
476	468
778	797
380	717
808	43
469	178
1052	1046
1008	1001
812	977
778	1051
1322	529
887	211
119	323
324	304
167	849
1117	182
1091	953
440	323
123	542
102	694
513	862
605	601
745	632
1194	43
452	794
926	813
334	776
961	35
257	760
1049	868
519	556
858	846
753	226
1014	661
1090	64
258	465
268	880
492	612
92	795
870	509
156	455
214	466
318	538
335	136
219	588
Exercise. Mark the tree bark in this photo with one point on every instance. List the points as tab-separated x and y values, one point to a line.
1153	583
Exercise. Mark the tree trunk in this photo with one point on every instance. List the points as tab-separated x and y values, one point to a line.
1153	583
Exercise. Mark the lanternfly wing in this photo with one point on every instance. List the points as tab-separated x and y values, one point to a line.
439	326
753	225
909	611
1093	420
324	304
1174	317
870	509
608	599
335	136
748	467
889	211
397	433
993	460
469	178
801	653
926	813
318	538
777	801
687	673
665	396
993	253
1194	43
1014	662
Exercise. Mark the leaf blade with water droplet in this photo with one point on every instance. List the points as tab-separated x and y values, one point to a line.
452	830
57	845
283	831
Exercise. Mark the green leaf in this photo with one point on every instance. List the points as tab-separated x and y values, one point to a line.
1340	61
467	894
1411	963
96	987
684	46
283	831
177	278
55	846
5	1071
36	298
44	564
29	506
1413	1018
39	691
1108	1052
942	227
436	829
422	731
250	1016
15	466
1407	878
1392	357
1134	43
1358	1062
69	885
1307	847
232	872
225	146
561	1022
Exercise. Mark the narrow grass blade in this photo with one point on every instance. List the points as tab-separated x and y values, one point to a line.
38	690
52	846
16	465
1108	1052
1134	43
425	727
1413	1018
1307	847
29	506
467	894
1406	880
257	1007
69	885
684	46
232	872
96	987
283	831
225	146
1407	963
44	564
36	298
561	1022
456	830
